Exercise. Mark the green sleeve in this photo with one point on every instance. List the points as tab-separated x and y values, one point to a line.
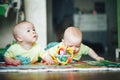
10	52
84	49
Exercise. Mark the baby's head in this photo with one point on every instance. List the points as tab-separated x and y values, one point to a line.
25	32
72	38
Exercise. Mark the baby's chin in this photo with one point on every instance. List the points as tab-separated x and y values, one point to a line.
34	41
35	38
75	52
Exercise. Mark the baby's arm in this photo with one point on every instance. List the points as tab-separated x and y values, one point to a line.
94	55
48	59
11	61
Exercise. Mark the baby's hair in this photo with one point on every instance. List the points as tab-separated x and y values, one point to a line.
72	30
72	34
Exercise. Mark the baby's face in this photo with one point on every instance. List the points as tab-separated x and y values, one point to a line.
28	33
73	38
74	45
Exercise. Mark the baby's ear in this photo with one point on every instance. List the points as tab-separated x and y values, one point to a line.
18	38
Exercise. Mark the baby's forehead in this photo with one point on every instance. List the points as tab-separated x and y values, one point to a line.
22	26
74	39
25	25
73	43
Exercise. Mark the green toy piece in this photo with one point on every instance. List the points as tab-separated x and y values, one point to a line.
103	63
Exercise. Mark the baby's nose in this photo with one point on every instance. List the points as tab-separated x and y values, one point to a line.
73	48
34	32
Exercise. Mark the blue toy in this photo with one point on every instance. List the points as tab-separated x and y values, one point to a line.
24	60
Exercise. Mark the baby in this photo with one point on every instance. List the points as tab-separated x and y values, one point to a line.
73	39
26	50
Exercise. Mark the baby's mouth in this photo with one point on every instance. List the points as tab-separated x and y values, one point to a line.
35	36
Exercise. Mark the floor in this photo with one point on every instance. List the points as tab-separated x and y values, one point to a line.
100	75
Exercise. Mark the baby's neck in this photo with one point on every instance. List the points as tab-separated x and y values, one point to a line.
26	46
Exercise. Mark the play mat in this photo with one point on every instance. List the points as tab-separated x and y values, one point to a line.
103	65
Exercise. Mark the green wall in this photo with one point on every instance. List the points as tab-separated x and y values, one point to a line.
118	16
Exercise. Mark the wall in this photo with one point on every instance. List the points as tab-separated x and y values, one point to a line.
118	15
51	36
111	11
90	24
86	5
6	25
108	37
36	13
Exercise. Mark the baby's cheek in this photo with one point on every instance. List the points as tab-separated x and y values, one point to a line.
76	51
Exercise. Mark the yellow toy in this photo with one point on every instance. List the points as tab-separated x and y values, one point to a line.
63	56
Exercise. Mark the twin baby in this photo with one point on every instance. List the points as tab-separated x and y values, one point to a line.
28	51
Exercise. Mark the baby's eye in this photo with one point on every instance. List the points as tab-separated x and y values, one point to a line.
77	46
33	29
28	30
70	46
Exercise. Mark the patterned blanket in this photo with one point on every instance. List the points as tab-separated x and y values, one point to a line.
78	66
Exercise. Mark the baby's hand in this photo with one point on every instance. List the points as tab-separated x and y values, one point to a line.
48	60
8	61
99	58
16	62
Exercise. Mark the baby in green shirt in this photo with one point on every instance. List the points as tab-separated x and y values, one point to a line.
26	50
73	39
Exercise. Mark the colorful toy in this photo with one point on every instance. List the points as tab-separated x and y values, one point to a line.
24	60
63	56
